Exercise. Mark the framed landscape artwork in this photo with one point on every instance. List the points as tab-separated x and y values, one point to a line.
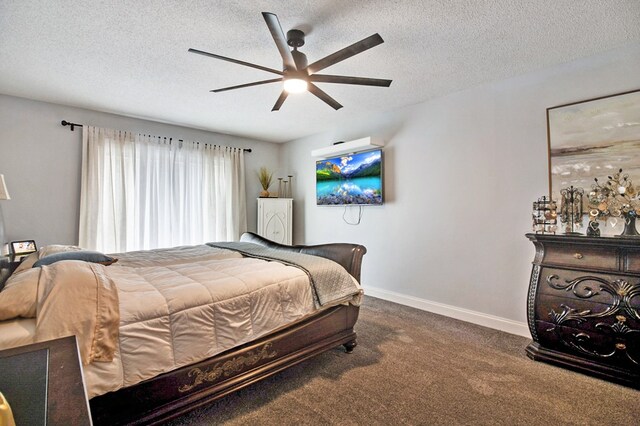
593	139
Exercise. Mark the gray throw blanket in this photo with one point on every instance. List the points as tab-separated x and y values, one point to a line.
329	280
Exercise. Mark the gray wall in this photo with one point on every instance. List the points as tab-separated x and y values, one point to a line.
460	174
41	162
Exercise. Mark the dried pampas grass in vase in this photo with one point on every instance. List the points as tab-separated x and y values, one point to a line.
265	177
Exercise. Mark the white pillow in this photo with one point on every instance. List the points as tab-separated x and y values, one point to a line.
55	248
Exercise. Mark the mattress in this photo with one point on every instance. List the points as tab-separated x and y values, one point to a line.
17	332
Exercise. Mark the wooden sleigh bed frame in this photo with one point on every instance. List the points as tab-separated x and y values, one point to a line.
176	392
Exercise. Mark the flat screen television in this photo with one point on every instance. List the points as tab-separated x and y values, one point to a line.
351	179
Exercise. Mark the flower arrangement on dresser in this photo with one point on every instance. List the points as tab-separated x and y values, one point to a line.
616	198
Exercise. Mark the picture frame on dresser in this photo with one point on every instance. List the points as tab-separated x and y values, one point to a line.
593	138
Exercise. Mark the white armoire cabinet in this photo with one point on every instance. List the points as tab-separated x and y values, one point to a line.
275	219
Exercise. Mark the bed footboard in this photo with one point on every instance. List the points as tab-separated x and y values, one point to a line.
347	255
177	392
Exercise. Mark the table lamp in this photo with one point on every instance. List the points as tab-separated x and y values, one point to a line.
4	195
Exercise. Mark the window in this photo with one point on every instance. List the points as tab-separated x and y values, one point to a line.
141	192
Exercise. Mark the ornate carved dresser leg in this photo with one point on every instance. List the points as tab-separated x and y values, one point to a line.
348	347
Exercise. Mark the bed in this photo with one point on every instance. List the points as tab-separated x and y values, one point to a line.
264	314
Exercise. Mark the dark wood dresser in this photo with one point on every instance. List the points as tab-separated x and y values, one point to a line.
583	306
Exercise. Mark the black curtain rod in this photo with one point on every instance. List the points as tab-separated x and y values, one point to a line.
74	125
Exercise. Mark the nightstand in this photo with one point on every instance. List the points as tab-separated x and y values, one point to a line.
43	383
8	264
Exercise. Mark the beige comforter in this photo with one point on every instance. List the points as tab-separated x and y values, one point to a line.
91	312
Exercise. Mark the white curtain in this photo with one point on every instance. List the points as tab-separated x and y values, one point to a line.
141	192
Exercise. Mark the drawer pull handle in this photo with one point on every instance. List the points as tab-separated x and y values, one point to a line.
621	346
578	256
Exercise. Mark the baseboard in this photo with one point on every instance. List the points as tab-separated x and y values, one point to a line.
486	320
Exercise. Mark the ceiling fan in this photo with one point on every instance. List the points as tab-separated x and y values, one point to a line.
297	75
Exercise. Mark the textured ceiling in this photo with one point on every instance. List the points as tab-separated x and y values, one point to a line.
130	57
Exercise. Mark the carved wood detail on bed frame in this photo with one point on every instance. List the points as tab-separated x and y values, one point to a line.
177	392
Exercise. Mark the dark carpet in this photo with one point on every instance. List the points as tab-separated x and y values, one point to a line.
413	367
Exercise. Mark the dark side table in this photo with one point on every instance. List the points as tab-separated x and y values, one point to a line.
43	383
8	264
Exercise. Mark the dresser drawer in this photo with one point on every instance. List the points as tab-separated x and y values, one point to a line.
632	261
606	348
586	314
582	257
587	285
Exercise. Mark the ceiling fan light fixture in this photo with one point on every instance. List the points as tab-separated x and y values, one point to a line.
295	85
297	75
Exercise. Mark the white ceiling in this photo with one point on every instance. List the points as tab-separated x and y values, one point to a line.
130	56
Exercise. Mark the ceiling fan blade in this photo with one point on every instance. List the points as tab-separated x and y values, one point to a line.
345	53
280	101
281	41
240	86
323	96
235	61
343	79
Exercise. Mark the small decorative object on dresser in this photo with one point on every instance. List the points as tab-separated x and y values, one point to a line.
285	187
593	230
290	193
265	177
616	198
571	209
544	216
583	305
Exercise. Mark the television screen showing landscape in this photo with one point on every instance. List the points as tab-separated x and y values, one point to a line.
350	179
